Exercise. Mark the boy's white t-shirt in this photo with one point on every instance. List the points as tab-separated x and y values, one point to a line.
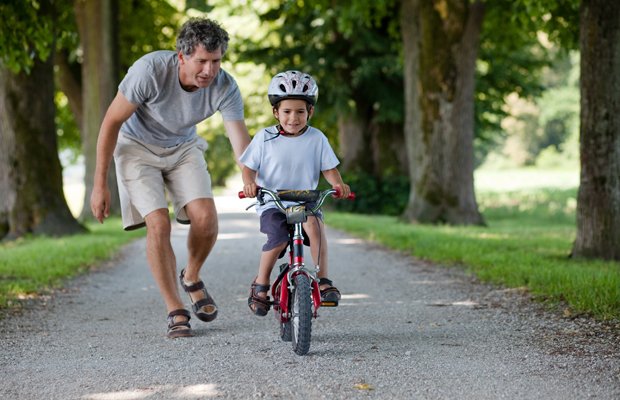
167	114
285	162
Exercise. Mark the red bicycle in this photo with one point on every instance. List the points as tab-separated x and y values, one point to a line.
295	292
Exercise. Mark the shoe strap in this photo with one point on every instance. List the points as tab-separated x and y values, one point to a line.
325	281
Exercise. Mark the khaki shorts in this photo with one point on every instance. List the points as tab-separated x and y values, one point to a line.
146	172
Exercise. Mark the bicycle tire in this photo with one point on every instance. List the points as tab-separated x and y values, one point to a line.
301	318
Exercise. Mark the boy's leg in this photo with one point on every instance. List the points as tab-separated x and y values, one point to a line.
260	287
267	261
315	229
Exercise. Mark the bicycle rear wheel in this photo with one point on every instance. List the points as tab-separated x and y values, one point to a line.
301	321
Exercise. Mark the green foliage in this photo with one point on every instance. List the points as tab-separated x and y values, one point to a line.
526	245
511	60
558	18
145	26
354	50
220	158
544	130
31	29
360	73
32	266
387	196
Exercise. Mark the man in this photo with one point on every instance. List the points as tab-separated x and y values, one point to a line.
150	129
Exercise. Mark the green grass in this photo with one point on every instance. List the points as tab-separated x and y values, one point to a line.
526	244
33	266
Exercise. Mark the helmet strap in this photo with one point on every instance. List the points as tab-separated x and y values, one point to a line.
281	131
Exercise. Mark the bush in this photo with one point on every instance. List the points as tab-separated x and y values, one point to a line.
387	196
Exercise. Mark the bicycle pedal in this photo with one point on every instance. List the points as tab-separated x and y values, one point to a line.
329	304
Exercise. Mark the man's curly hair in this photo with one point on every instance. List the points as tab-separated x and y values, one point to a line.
202	31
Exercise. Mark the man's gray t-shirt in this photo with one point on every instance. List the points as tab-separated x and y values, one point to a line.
167	114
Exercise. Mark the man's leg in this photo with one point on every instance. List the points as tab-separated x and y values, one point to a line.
200	240
161	257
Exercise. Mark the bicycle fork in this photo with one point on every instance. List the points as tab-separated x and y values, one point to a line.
297	266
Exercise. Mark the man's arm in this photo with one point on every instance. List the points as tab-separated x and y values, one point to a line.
119	111
239	138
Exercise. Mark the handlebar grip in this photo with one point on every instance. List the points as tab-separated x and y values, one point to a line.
351	195
242	195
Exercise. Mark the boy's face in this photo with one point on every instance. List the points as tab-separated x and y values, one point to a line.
199	69
293	115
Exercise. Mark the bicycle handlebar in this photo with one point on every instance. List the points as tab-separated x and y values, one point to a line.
297	195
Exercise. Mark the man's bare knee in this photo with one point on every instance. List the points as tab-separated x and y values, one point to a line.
158	224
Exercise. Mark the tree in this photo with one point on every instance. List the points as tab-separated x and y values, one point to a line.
598	201
358	70
96	21
31	179
111	37
440	47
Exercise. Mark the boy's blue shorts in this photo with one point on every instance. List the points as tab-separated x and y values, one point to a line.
273	224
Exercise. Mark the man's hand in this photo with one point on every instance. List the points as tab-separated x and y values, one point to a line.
100	203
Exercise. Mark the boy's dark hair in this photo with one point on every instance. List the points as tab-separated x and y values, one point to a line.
308	105
201	31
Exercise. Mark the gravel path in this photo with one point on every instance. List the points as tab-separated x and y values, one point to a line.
405	330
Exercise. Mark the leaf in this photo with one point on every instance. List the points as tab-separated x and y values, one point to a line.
363	386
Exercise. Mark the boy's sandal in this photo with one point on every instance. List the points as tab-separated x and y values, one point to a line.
205	309
329	296
181	328
260	305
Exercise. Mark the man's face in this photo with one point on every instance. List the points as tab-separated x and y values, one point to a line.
198	70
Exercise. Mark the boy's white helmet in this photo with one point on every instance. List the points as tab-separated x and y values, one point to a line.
293	85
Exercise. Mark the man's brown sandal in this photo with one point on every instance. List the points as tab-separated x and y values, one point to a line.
205	309
261	305
329	296
181	328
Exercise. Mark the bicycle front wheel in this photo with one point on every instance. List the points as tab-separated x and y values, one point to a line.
301	321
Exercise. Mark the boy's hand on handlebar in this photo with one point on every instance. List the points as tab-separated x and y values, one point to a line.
342	191
250	189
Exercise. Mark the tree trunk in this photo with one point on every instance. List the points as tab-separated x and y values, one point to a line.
70	83
598	200
369	147
96	21
31	178
440	41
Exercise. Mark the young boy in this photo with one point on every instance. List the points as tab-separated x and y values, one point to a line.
290	155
